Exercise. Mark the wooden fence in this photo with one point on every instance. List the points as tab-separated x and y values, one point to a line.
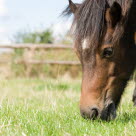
33	47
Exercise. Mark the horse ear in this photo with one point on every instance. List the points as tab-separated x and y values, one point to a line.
73	7
113	15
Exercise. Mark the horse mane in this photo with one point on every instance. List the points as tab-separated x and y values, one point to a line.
89	19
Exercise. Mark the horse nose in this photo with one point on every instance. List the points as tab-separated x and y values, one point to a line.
94	113
90	113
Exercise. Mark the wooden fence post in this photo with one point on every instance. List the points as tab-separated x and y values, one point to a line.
28	55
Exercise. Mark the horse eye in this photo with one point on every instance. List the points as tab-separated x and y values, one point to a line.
108	52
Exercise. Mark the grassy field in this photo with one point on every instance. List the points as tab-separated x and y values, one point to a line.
34	107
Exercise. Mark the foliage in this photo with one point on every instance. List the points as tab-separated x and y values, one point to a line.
51	108
66	39
45	36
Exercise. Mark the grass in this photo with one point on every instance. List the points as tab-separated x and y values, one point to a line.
34	107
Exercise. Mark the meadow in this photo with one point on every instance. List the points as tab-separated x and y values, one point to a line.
48	107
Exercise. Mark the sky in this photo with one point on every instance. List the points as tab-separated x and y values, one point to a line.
31	15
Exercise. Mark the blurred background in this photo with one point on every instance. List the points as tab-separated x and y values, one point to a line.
35	40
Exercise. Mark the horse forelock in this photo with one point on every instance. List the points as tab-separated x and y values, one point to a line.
89	20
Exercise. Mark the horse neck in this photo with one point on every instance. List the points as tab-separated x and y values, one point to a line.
131	24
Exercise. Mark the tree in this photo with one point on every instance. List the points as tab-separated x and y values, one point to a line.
45	36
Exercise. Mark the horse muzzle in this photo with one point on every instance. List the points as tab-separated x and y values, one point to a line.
107	114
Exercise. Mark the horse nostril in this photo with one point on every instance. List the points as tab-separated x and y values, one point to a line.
94	113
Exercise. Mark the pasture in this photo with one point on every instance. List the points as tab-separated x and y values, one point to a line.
36	107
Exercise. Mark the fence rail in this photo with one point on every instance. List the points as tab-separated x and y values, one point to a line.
51	62
33	47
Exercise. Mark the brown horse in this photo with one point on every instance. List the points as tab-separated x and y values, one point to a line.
104	32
